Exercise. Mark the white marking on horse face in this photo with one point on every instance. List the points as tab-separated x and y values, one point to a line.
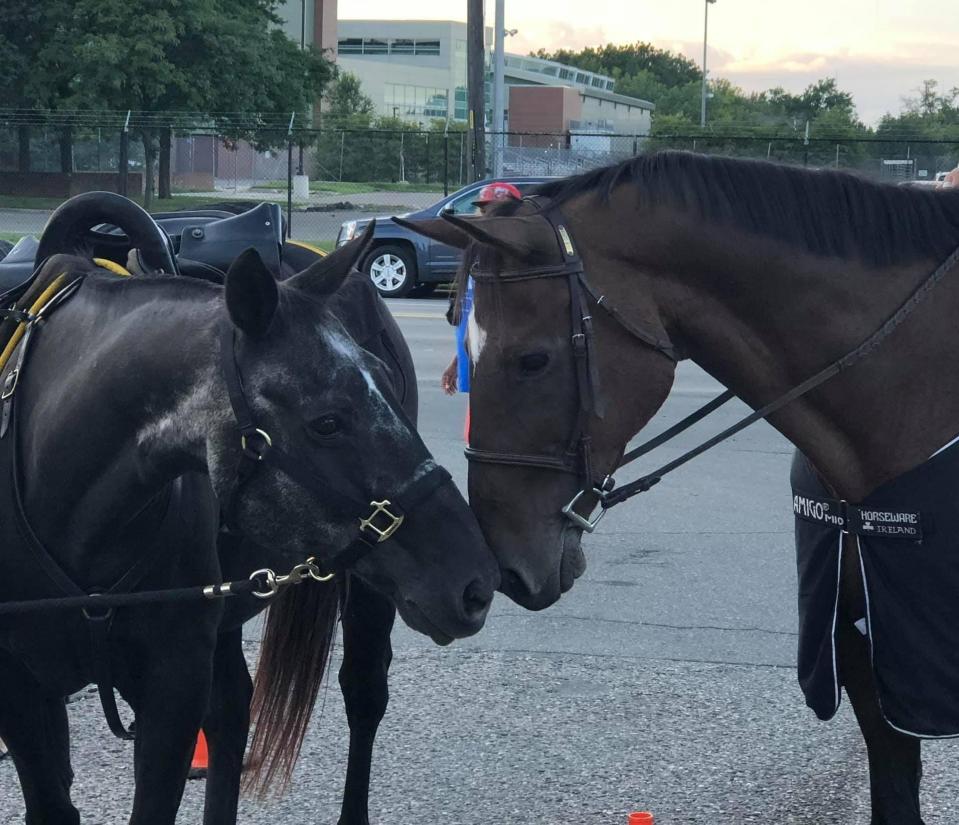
386	415
475	335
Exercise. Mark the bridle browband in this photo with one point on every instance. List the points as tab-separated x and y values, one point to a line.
378	520
577	459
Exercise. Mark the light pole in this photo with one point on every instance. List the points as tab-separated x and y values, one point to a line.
702	114
499	88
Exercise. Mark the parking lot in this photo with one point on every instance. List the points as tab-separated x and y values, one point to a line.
663	681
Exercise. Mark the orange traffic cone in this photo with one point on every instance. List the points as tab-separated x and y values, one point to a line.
640	818
201	760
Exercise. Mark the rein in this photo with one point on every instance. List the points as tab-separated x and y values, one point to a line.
576	459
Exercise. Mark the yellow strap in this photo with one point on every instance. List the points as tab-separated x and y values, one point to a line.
113	266
305	245
39	304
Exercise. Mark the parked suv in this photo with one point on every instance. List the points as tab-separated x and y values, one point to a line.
401	260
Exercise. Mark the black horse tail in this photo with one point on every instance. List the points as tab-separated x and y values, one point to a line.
298	635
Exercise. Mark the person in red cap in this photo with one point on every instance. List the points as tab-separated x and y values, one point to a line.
457	374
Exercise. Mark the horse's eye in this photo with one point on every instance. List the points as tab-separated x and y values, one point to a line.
533	362
327	426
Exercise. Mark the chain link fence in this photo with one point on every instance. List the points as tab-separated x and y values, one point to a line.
326	177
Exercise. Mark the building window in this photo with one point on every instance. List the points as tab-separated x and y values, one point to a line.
401	46
404	100
598	82
350	45
460	107
582	78
427	47
610	85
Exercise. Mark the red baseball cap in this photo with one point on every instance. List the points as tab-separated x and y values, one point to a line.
497	191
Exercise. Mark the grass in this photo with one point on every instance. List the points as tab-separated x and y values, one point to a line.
352	188
13	237
164	205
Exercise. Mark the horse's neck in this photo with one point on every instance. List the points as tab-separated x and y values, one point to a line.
112	409
765	321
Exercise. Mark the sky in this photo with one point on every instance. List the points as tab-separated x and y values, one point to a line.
879	50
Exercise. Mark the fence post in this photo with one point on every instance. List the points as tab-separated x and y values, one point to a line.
289	186
446	159
342	147
427	157
124	158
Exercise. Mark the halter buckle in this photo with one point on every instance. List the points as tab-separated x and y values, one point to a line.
259	448
384	532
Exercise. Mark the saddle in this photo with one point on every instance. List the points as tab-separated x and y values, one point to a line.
205	241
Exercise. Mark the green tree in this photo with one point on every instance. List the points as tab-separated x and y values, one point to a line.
212	57
27	27
347	102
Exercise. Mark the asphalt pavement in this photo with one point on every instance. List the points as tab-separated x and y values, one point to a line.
664	681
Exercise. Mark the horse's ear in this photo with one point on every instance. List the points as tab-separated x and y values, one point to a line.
522	236
437	229
251	293
326	275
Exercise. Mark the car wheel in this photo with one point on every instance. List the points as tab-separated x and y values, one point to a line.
392	269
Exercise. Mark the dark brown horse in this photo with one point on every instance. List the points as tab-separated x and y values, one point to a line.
761	274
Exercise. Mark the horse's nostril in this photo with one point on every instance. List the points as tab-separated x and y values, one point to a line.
476	598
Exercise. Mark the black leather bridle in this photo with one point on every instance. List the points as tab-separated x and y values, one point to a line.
377	520
577	458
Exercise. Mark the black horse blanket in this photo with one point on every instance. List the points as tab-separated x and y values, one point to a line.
907	536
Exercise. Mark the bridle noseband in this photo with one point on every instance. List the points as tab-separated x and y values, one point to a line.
577	456
377	520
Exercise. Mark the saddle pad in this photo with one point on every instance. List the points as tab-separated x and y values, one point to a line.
911	581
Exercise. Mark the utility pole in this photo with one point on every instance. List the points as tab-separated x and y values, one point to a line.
702	113
476	88
499	104
299	166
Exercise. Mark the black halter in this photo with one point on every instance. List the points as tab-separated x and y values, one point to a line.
377	520
577	458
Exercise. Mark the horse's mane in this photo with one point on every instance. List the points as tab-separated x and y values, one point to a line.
827	212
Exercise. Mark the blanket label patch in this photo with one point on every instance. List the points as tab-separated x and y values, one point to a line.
863	521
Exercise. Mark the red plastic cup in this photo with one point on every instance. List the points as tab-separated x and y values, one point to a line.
640	818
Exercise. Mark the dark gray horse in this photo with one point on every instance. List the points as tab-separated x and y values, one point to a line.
125	438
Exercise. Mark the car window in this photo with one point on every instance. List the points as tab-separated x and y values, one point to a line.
463	205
